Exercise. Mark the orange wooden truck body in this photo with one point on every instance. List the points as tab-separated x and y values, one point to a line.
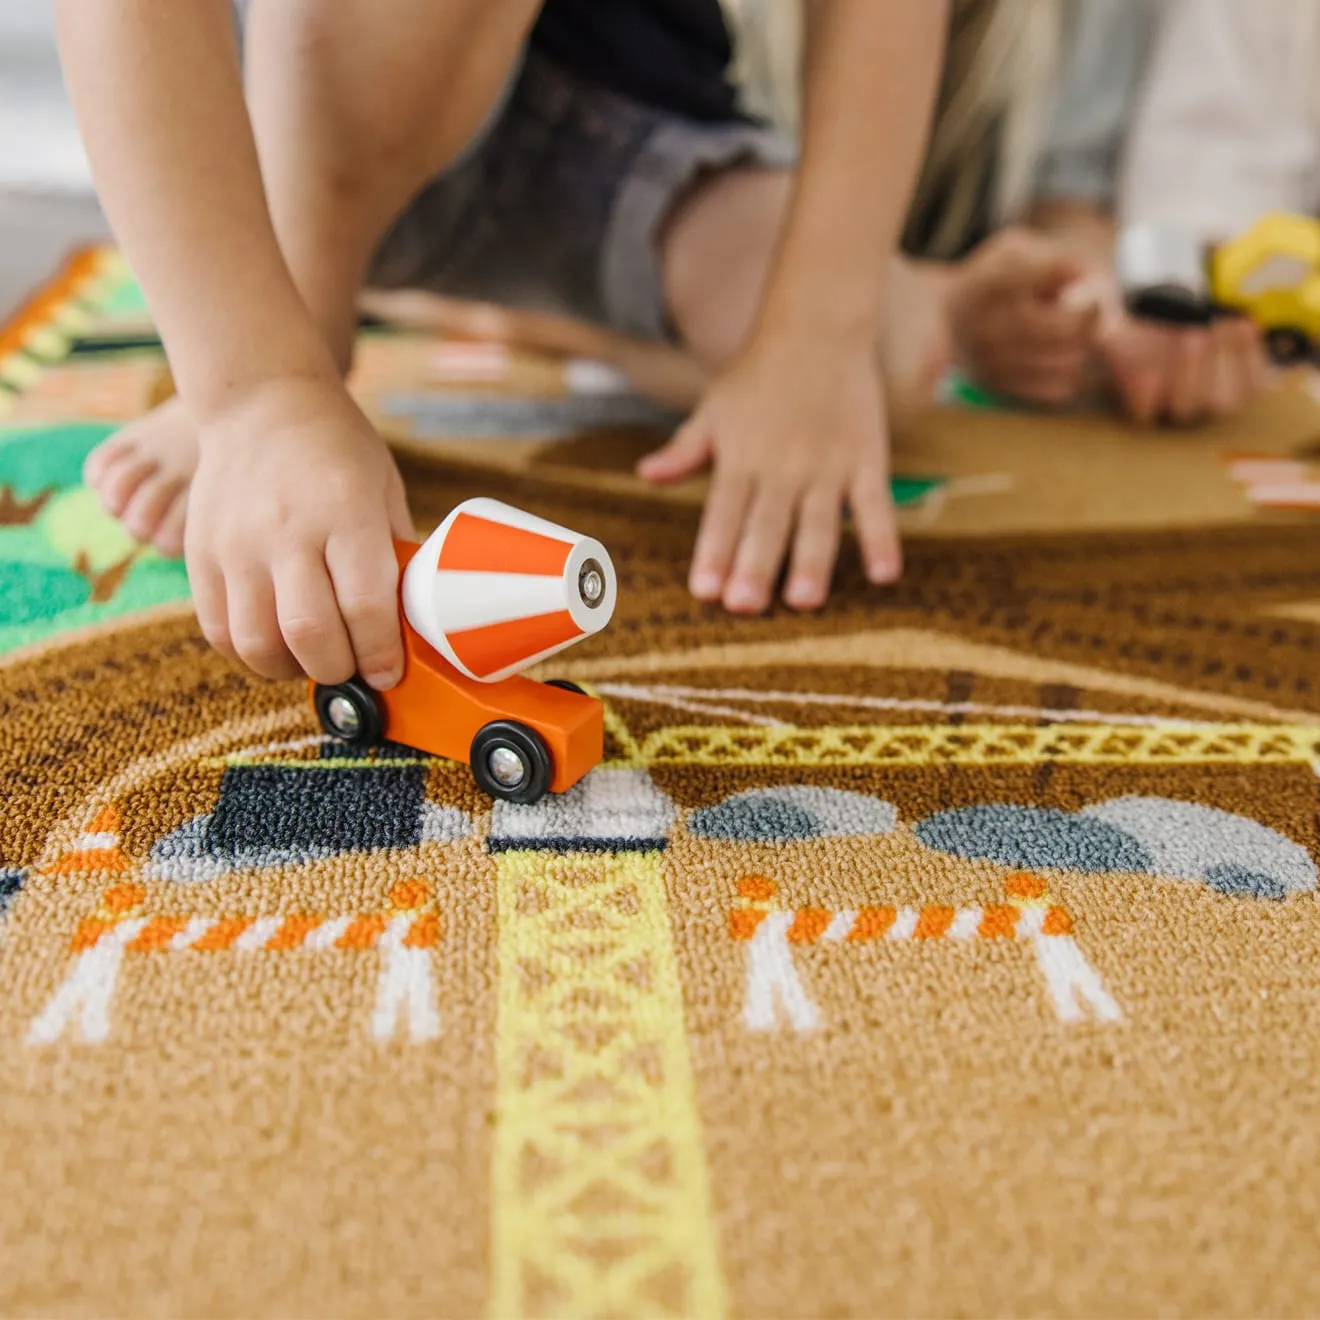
437	710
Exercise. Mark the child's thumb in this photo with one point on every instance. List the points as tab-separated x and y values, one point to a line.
1097	296
1053	272
1032	263
686	453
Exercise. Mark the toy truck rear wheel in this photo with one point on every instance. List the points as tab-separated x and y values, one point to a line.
511	762
349	712
1288	344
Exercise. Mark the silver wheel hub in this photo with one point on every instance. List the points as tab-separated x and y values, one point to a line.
591	584
507	768
343	715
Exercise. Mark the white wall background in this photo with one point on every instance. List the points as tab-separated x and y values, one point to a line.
39	144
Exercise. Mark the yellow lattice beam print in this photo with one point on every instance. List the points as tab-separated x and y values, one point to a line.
981	744
600	1200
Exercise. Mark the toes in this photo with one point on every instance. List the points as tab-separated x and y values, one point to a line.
103	457
149	504
168	538
120	481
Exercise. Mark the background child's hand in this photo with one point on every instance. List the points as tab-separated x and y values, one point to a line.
1013	327
1184	374
288	539
796	431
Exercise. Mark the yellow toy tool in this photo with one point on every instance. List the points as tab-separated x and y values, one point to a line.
1270	273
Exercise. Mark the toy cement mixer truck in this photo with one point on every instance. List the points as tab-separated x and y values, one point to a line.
1270	273
491	591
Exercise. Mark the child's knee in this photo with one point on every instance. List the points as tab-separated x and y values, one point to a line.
399	95
717	249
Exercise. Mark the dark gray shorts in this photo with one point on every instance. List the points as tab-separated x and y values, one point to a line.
559	203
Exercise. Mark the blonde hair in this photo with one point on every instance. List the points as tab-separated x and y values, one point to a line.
767	58
1000	71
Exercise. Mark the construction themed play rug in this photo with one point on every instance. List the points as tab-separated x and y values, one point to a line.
952	952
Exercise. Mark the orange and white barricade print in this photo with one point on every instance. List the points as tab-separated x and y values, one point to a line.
771	933
406	935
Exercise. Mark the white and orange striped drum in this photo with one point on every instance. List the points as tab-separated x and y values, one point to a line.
494	589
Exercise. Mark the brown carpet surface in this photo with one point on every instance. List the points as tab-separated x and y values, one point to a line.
952	952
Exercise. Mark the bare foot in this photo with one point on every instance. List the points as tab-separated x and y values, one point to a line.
141	474
915	344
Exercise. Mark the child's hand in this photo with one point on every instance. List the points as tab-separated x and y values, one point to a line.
1185	374
796	430
288	539
1014	326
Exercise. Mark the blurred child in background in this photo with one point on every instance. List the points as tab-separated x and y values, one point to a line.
1228	126
1034	310
1010	238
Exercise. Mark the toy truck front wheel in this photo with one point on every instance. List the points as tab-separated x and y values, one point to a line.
511	762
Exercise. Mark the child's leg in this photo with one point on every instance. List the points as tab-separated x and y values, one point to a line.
355	109
352	114
716	253
647	225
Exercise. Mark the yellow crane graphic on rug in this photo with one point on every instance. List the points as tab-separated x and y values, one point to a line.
601	1198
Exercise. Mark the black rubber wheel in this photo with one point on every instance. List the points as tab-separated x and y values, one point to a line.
511	762
349	712
1287	344
565	684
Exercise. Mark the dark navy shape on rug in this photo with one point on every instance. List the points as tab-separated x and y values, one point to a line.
10	883
1033	839
266	809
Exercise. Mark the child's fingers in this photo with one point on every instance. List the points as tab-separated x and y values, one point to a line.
168	538
688	452
146	509
717	537
365	574
1046	327
1246	336
310	621
207	585
106	453
1051	375
1049	385
1142	388
119	480
761	552
1062	358
1189	365
1089	294
872	505
1022	261
1138	358
254	626
402	525
1227	387
815	548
